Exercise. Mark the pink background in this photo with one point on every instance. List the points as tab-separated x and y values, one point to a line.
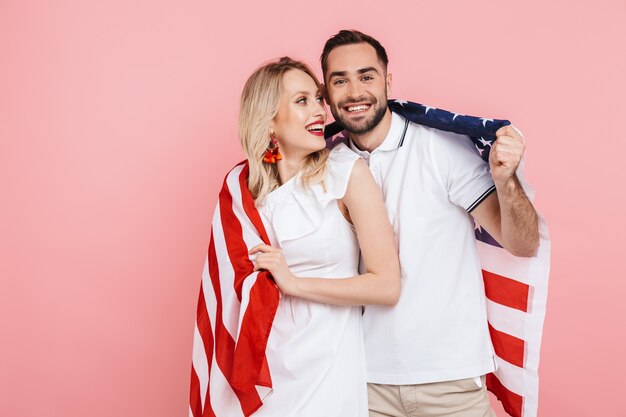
117	124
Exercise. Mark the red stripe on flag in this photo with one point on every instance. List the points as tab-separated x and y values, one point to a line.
506	291
224	343
233	236
250	366
194	395
248	205
265	378
511	401
508	347
206	332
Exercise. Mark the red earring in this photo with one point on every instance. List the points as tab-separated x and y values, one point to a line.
271	153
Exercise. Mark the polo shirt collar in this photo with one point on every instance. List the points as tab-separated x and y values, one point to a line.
393	140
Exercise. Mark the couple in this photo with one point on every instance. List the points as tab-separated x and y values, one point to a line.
383	220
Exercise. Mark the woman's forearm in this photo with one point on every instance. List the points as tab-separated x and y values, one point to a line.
363	289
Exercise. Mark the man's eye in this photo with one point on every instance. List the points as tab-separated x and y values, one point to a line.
367	78
337	82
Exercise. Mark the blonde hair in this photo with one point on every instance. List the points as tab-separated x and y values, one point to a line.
260	101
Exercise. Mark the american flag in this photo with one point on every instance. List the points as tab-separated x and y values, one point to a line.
236	306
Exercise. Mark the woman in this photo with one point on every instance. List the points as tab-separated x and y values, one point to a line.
313	204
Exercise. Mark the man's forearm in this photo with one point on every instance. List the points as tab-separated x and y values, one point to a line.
519	223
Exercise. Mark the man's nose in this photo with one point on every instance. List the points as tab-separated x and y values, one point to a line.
355	91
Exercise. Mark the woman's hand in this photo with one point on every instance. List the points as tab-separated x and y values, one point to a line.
272	259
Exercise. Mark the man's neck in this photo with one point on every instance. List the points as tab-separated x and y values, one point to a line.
371	140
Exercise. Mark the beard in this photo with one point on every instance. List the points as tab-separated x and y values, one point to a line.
360	126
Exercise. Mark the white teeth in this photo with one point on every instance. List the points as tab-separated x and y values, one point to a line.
358	108
315	127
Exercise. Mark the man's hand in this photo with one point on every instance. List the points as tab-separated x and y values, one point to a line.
507	214
505	155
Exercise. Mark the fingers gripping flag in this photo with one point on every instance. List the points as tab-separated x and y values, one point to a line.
515	288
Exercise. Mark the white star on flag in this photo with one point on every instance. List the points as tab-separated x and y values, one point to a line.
428	108
484	142
485	121
456	115
401	102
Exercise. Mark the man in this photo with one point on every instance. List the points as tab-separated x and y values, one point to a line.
428	355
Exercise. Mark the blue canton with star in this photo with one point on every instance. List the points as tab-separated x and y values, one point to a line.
481	131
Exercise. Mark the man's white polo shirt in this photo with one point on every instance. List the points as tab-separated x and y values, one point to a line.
438	331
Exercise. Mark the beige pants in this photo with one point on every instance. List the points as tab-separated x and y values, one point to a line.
462	398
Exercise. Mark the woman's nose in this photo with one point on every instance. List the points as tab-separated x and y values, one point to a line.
319	110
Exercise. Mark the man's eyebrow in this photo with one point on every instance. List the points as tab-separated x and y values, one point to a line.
359	71
337	74
366	69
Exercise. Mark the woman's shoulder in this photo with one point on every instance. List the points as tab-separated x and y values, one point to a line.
341	162
342	154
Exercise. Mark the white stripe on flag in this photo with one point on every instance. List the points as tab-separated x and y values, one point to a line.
245	297
225	402
200	364
512	377
499	261
506	319
230	304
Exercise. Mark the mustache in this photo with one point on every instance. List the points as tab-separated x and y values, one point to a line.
362	99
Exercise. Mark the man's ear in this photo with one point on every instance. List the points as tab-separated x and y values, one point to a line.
389	83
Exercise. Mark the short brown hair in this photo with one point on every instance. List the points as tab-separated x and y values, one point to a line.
350	37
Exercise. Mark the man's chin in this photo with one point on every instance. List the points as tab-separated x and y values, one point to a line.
360	127
353	124
359	130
